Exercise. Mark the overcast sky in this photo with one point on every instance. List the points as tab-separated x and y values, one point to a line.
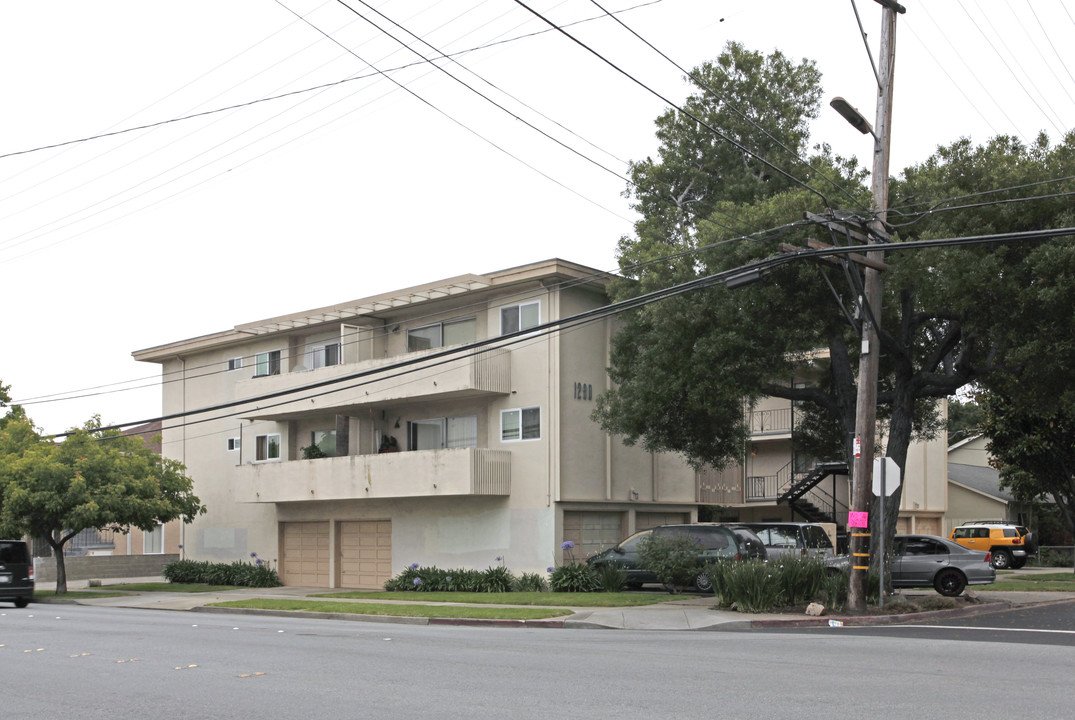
157	235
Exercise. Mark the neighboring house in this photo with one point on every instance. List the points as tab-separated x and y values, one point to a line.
95	553
974	491
331	456
773	483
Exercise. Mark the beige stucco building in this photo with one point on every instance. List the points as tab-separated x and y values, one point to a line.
423	453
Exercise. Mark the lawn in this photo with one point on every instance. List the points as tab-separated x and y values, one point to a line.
171	587
394	610
549	599
1044	582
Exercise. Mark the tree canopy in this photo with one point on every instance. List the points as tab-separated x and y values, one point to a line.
684	368
93	479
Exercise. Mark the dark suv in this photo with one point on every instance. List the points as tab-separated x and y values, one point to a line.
793	538
717	541
16	573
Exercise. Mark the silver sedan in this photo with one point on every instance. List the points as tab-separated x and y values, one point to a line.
929	561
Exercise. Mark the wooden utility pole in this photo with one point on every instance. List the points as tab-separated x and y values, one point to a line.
866	403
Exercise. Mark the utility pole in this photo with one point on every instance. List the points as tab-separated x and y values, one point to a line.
866	403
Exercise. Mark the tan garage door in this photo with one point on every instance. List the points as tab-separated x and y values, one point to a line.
306	554
365	554
647	520
592	531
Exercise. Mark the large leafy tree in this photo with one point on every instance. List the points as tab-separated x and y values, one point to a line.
683	368
93	479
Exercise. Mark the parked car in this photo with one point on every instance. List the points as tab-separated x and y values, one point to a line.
16	573
793	537
1011	545
717	541
928	561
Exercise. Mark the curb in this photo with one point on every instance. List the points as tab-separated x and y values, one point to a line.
868	620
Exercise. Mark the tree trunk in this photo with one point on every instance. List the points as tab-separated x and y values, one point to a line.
61	568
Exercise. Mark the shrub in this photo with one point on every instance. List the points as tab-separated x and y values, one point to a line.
611	578
496	579
676	561
1054	557
752	585
574	577
530	582
238	573
802	579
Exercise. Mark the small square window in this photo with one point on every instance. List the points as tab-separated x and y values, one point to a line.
520	424
267	447
235	363
515	318
233	443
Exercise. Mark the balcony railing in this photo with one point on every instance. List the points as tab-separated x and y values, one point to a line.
421	473
768	422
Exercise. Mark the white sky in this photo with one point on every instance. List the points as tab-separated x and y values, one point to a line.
148	237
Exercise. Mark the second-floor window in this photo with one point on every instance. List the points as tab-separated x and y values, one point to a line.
519	317
520	424
437	433
320	356
267	447
235	363
267	363
449	332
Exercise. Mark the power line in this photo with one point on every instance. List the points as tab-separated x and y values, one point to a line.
682	110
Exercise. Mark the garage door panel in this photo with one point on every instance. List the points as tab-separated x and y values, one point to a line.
306	555
365	559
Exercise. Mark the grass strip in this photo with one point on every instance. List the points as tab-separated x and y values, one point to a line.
428	611
545	599
84	594
172	587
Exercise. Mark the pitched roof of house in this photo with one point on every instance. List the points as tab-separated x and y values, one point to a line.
985	480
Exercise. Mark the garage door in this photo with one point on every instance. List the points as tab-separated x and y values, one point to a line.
647	520
365	554
592	531
305	555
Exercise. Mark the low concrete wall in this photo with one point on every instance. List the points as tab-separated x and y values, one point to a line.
93	567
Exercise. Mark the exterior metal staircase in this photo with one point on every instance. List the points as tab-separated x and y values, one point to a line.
795	493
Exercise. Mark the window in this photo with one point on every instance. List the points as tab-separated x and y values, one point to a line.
234	443
325	441
267	447
321	356
267	363
437	433
450	332
153	541
519	317
235	363
520	424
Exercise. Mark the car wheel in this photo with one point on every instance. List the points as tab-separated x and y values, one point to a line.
949	582
21	602
1018	563
703	583
1002	559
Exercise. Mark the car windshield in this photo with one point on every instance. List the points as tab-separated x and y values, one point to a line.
631	543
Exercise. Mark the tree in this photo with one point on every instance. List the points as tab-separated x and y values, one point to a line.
93	479
964	420
1034	451
683	368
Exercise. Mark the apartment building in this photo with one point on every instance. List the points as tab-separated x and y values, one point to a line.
347	442
774	483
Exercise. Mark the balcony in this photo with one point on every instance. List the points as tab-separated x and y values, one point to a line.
360	384
422	473
776	423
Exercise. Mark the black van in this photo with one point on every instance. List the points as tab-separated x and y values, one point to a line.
16	573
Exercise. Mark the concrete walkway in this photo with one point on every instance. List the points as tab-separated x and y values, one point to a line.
691	612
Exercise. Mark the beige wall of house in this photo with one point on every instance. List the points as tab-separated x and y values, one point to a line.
504	493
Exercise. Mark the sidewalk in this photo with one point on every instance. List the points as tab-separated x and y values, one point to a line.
691	612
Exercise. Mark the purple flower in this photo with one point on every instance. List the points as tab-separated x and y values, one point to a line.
253	554
499	558
550	569
258	561
567	545
414	566
417	582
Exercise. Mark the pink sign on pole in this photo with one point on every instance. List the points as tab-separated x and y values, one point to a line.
858	519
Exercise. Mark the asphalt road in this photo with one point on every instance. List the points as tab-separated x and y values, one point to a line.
1052	624
92	662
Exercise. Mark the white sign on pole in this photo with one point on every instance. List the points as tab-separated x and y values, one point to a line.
890	472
